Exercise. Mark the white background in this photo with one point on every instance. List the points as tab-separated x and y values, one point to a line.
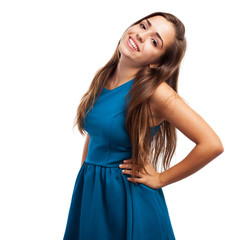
49	53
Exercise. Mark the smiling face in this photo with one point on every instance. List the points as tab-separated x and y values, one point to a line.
146	41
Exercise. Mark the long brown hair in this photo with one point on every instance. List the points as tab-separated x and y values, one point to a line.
139	113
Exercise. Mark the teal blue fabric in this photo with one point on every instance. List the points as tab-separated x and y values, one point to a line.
104	204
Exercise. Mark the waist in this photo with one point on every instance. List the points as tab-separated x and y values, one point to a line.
107	159
107	165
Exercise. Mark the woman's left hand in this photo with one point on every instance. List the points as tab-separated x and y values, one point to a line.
152	180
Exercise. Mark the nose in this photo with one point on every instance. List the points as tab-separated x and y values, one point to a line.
140	37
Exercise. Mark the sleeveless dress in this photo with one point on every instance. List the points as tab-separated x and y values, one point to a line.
104	204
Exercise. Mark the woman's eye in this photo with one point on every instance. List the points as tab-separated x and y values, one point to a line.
141	24
155	43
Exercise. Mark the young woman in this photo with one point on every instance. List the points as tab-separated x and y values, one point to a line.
131	112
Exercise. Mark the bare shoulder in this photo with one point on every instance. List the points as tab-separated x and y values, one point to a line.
167	103
162	96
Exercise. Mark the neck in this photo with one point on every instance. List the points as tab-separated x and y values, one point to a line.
124	72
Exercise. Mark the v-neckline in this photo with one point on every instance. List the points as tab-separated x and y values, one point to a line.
110	90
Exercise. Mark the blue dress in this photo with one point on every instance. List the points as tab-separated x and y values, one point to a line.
104	204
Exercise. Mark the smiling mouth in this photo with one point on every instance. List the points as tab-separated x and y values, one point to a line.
132	44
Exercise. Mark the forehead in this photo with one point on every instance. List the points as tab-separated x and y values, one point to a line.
163	27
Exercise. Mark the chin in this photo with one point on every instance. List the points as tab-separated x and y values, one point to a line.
126	52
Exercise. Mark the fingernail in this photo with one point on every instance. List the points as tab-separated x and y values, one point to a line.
124	160
120	165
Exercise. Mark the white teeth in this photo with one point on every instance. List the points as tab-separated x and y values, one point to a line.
133	44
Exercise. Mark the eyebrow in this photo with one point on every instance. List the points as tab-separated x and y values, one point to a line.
150	25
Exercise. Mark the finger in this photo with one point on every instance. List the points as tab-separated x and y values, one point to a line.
126	160
127	166
129	172
138	180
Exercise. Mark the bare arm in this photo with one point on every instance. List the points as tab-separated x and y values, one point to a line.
192	125
85	149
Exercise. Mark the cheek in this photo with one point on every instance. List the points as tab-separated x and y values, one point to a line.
149	56
151	53
123	41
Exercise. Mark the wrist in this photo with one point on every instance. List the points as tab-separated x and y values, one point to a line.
161	180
